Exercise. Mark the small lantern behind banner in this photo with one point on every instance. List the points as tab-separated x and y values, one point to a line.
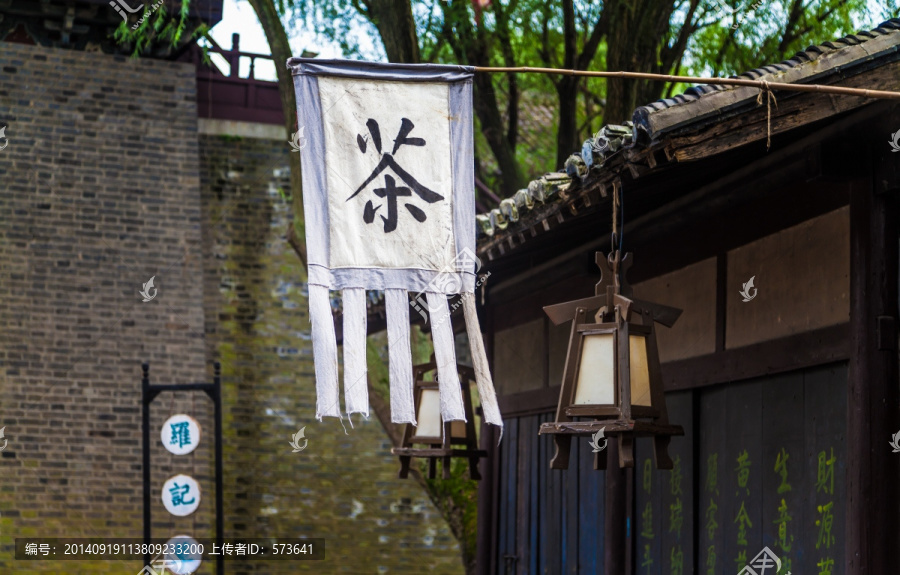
440	437
612	372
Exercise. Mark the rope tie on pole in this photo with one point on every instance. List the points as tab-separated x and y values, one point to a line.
770	97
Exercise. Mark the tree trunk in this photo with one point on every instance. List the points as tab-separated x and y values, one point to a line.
636	30
281	51
567	140
397	28
567	90
471	47
488	111
567	131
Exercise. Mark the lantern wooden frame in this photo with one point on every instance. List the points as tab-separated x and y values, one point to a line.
454	432
620	419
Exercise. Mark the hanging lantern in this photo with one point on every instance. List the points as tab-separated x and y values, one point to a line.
433	432
611	380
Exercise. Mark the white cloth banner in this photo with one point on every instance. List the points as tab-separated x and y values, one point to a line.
388	193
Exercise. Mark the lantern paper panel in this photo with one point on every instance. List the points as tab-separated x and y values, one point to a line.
640	370
597	371
428	416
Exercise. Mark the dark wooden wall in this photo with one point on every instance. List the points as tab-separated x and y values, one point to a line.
551	521
797	418
664	500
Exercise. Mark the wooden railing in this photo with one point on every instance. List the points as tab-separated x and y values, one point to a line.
225	95
234	55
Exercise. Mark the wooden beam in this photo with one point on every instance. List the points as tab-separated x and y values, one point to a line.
797	351
721	299
486	488
611	427
787	115
873	398
529	402
489	488
767	177
616	513
438	452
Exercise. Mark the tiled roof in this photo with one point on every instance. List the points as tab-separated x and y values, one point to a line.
666	115
808	55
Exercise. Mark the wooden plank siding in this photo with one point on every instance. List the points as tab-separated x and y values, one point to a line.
664	500
550	521
784	430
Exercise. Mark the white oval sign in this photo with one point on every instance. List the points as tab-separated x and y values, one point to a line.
180	434
186	555
181	495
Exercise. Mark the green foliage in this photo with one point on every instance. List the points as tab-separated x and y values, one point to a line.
376	360
156	26
457	500
766	31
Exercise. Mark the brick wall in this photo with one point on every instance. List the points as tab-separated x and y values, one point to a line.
105	183
99	192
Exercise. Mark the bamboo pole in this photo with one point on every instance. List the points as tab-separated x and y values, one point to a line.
760	84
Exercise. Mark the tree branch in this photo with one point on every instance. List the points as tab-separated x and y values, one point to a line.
544	48
593	41
793	18
295	243
673	54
